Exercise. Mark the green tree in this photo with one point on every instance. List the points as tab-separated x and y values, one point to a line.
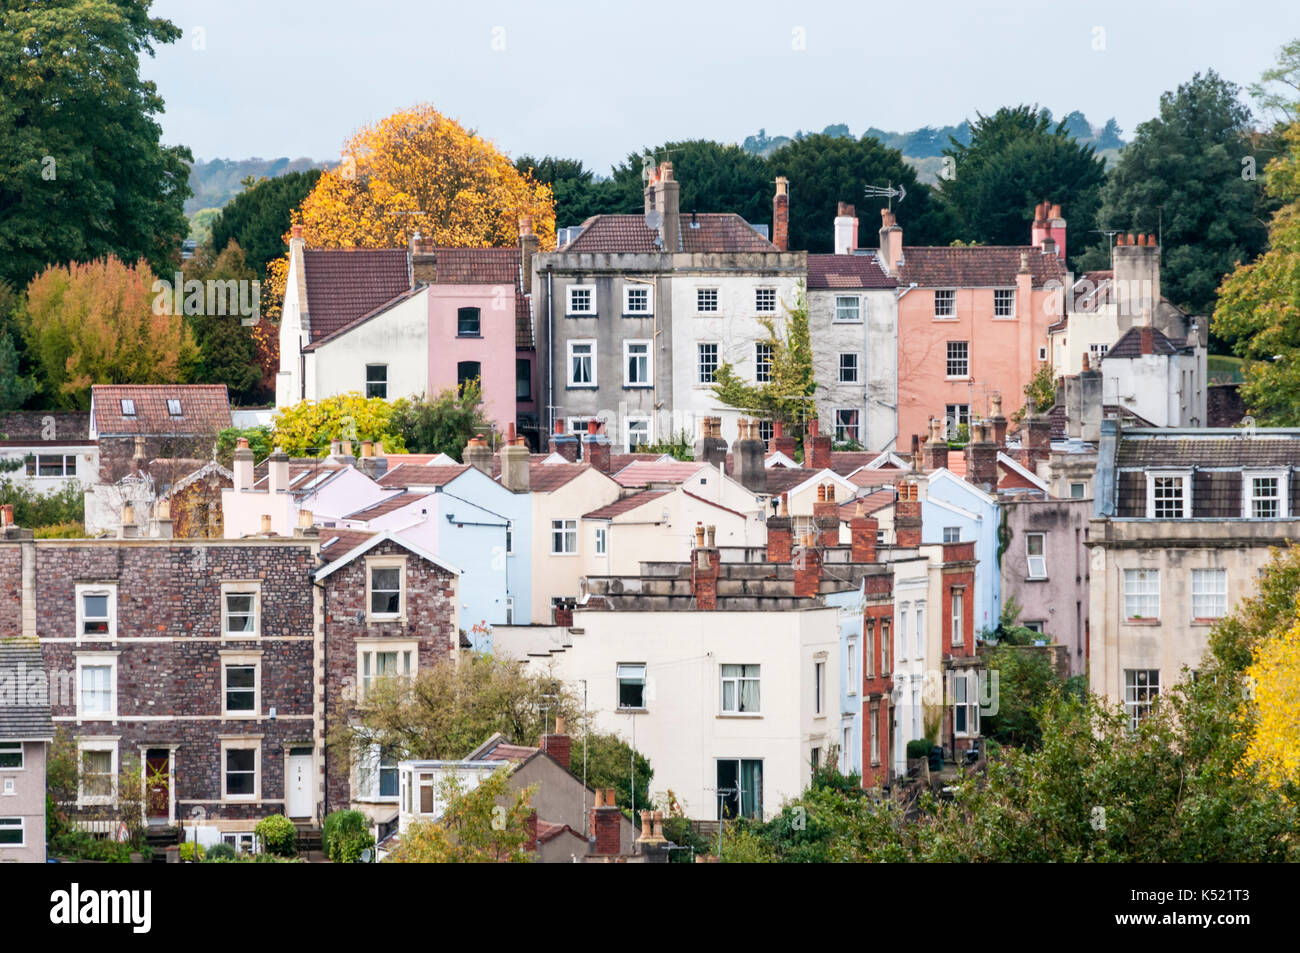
85	174
826	170
787	394
1182	178
484	824
226	351
578	193
1016	159
257	218
441	424
15	386
259	441
714	178
307	428
1278	89
611	763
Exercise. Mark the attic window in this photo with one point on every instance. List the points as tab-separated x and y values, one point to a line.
128	408
174	407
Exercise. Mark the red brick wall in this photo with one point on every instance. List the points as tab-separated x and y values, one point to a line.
879	608
780	539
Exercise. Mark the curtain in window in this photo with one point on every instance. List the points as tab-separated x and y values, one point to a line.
751	788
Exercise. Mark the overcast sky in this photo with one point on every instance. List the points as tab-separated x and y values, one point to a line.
596	81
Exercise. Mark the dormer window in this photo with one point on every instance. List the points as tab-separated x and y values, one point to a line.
128	408
174	407
1169	494
1264	495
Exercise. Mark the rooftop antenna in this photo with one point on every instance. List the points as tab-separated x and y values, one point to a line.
1110	234
889	191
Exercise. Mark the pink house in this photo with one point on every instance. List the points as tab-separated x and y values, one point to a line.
972	321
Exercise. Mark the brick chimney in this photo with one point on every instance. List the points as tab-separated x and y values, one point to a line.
1038	437
780	535
565	444
1048	231
747	458
935	453
998	421
907	516
780	442
557	743
478	454
663	195
705	560
516	462
424	260
826	516
1147	339
595	446
891	242
606	818
1135	285
816	448
982	457
781	214
863	530
846	230
564	613
807	569
527	249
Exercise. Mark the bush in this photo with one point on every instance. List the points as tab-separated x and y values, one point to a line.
345	835
61	531
219	852
33	509
278	835
192	852
78	845
920	748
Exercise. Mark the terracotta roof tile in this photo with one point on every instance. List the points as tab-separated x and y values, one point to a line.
337	542
395	502
871	503
477	266
845	462
847	271
979	266
643	473
410	474
1130	344
205	409
712	232
345	283
625	505
883	476
545	477
361	319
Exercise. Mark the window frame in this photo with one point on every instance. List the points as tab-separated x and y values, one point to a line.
851	668
564	530
240	588
569	380
32	465
869	649
1200	594
699	362
631	678
1185	478
9	824
952	534
241	744
386	562
1083	490
842	427
370	776
99	745
601	540
965	702
628	288
760	295
229	660
372	386
10	748
1138	708
96	660
856	368
819	688
1126	596
630	447
957	615
962	361
738	681
1249	498
461	314
700	297
1040	556
407	660
570	310
646	359
762	362
999	302
108	589
857	309
950	297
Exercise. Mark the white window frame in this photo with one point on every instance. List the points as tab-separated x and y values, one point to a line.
856	368
9	824
708	295
11	748
874	713
846	749
128	407
568	529
107	660
904	610
963	359
699	362
631	672
1134	598
760	299
851	668
628	445
1201	593
954	416
1248	497
1036	564
949	296
407	660
1137	708
33	466
842	308
235	588
569	309
628	288
376	383
965	698
819	687
569	381
762	362
647	360
737	681
370	771
952	534
238	840
918	629
846	437
957	597
1083	490
386	562
602	540
250	743
251	660
96	589
97	744
887	654
1185	476
869	647
1004	292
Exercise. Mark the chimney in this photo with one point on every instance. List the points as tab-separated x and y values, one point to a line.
606	819
595	446
1147	339
277	471
998	421
780	536
243	466
862	537
7	516
565	444
564	613
846	230
478	454
1135	286
747	458
668	201
816	448
907	516
935	454
527	249
266	524
1090	405
1038	437
781	214
807	569
130	529
891	242
163	525
780	442
826	516
982	457
516	463
424	261
710	448
373	463
557	744
705	561
1048	231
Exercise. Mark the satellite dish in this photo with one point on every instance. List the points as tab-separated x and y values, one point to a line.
654	220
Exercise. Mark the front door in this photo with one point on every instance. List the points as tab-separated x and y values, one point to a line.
299	780
157	782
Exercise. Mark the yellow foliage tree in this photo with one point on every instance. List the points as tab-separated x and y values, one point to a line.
308	427
1274	677
418	171
486	824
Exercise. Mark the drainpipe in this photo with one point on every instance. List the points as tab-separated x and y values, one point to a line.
325	693
550	354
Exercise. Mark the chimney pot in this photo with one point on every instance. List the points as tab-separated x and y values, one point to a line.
296	231
266	523
306	519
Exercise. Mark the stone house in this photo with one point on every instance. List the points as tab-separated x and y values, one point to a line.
25	736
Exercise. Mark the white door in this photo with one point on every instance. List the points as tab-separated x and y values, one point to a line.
299	794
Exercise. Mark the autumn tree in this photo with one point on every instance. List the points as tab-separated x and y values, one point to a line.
101	323
307	428
484	824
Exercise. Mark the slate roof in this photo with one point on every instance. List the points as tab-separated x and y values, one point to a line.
337	542
625	505
25	716
1130	344
979	266
847	271
1267	448
384	507
783	479
205	409
346	283
711	232
411	474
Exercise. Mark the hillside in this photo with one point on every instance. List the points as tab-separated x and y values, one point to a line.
216	181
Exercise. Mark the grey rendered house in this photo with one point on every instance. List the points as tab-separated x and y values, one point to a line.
26	732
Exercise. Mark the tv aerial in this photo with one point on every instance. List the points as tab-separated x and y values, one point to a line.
886	191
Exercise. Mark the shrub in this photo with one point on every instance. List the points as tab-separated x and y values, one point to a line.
345	835
278	835
920	748
192	852
34	509
61	531
219	852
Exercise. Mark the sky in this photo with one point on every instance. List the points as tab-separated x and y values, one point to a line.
597	81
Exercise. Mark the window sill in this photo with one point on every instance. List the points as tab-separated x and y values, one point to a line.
459	335
581	314
632	711
562	554
581	387
743	714
846	321
1205	621
945	317
1036	579
382	619
638	386
960	378
638	314
1141	621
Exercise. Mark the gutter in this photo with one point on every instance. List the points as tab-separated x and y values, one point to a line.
550	354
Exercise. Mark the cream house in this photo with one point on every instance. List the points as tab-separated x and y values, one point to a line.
561	493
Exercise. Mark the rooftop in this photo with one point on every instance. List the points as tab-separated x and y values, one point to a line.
846	271
979	266
159	409
703	232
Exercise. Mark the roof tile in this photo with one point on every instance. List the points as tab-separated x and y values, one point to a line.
205	409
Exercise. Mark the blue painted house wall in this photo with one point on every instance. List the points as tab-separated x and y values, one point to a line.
850	702
951	501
